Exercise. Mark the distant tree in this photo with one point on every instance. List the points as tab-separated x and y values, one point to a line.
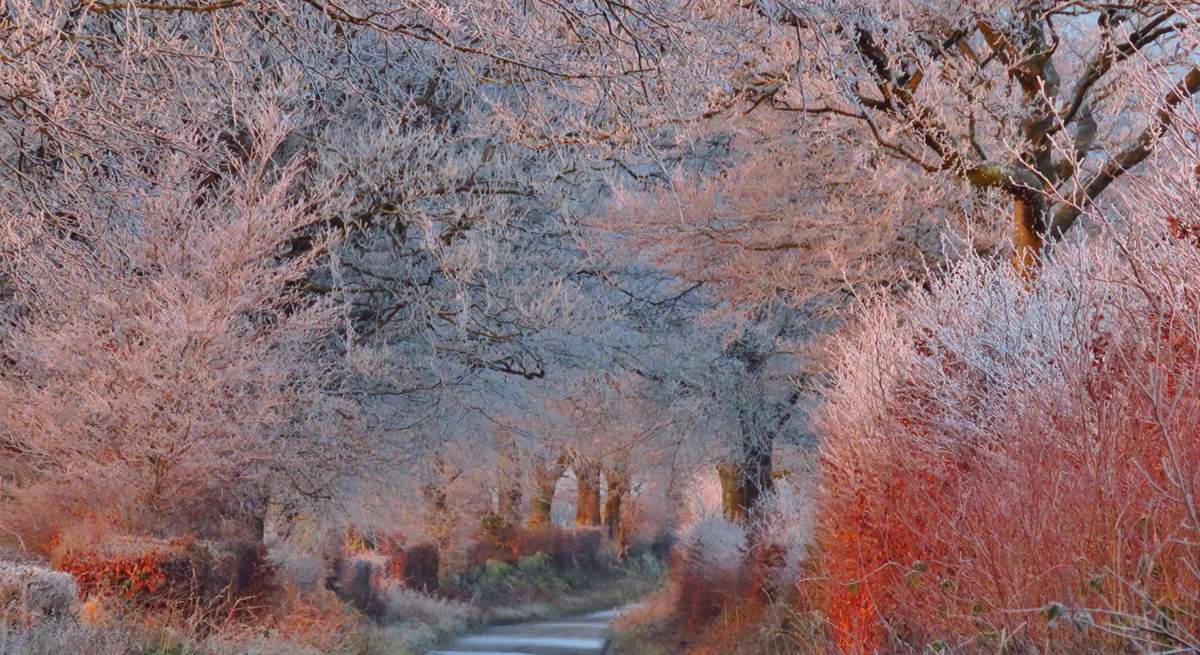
397	210
616	477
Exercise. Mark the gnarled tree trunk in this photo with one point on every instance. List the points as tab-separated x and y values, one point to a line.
587	503
1028	227
745	481
618	485
545	478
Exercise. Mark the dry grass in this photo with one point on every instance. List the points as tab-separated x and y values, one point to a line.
747	626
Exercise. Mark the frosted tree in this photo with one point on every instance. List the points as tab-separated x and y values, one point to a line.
917	112
854	148
130	128
163	357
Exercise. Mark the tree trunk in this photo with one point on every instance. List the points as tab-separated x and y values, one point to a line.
1029	210
440	515
733	492
612	515
545	479
1028	224
676	502
587	499
509	502
744	482
618	486
254	516
539	509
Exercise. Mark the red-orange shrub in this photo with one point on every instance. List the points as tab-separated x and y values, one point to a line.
392	547
1019	464
136	571
167	573
135	577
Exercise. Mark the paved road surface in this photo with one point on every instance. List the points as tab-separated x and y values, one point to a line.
581	635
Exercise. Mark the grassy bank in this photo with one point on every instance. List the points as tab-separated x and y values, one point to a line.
402	621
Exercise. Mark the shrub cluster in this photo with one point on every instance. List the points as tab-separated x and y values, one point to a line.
578	548
420	571
166	573
783	524
539	565
1015	464
420	621
531	577
66	637
359	578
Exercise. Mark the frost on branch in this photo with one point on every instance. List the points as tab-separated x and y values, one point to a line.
164	367
992	448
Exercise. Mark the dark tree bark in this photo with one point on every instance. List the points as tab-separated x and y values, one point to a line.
746	474
745	481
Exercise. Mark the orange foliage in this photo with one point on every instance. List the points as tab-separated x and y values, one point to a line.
213	579
135	577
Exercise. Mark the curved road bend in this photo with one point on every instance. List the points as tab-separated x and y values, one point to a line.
580	635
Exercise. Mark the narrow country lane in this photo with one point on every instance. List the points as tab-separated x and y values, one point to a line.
581	635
